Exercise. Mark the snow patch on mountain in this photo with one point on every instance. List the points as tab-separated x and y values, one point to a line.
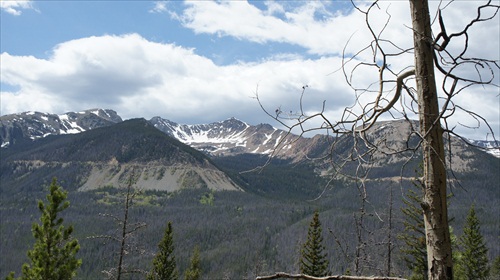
228	137
490	146
70	126
35	125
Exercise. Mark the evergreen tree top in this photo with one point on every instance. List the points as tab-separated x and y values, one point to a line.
314	260
53	254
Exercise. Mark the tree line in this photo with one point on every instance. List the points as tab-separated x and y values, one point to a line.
54	253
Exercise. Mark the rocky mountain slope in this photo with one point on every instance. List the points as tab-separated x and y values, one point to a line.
35	125
233	137
390	150
109	156
234	141
225	138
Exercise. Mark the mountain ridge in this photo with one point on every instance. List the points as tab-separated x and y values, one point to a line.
35	125
223	138
107	156
232	136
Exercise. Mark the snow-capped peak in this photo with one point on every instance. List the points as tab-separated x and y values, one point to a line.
230	136
34	125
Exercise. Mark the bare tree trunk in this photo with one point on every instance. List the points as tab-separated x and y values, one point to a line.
434	203
124	231
281	275
389	241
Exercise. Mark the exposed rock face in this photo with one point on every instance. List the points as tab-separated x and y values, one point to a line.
104	157
392	149
158	177
232	137
109	156
34	125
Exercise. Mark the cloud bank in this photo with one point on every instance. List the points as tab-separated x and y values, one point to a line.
141	78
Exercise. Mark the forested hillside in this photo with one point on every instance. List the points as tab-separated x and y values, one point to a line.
255	228
239	234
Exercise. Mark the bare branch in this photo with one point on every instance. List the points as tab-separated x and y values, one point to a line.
333	277
357	122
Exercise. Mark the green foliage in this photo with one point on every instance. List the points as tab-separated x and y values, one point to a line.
474	254
458	272
313	261
191	179
164	266
495	268
280	179
208	199
414	249
53	254
234	234
194	270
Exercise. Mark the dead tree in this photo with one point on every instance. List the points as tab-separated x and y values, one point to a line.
125	232
403	93
281	275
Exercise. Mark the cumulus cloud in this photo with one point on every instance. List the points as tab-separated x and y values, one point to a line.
314	27
139	78
14	7
309	25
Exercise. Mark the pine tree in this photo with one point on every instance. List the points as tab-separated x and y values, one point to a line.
474	261
164	266
194	270
313	261
495	268
414	249
53	254
458	272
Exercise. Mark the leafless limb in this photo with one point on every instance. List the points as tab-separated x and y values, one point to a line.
126	231
393	96
281	275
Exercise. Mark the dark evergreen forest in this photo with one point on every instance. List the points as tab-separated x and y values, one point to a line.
240	234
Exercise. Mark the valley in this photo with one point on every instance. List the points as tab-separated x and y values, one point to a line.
246	220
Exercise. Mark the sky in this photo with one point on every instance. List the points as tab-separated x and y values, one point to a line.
195	62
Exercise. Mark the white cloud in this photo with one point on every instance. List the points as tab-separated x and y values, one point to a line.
139	78
309	25
14	7
323	28
160	7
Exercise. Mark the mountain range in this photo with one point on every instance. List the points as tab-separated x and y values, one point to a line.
104	149
229	137
224	138
206	179
35	125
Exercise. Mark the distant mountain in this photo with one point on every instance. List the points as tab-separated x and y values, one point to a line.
108	157
233	144
233	137
393	151
491	147
34	125
225	138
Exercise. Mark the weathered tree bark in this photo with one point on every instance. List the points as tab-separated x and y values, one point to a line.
281	275
124	231
434	202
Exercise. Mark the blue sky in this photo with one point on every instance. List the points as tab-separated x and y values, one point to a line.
202	61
